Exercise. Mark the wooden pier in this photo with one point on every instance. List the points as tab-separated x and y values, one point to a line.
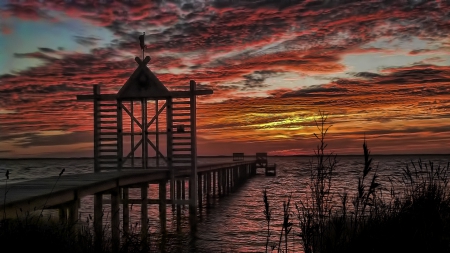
64	193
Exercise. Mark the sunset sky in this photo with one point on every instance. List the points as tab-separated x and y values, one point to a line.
378	68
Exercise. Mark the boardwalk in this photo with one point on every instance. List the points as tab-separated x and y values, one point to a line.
55	191
64	193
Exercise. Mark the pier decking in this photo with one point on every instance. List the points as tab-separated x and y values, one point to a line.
64	193
55	191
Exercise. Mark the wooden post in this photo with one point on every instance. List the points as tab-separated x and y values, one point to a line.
199	191
144	213
73	211
227	178
193	184
162	206
222	182
183	189
214	184
132	132
62	212
96	92
115	220
157	132
119	135
98	221
169	120
208	188
144	144
178	205
125	211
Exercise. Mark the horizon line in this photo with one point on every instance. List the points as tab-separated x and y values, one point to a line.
216	156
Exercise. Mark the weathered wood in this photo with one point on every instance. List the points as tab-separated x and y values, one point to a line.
214	183
208	189
144	214
96	91
119	135
54	191
193	178
200	193
125	211
98	221
115	220
178	197
162	206
173	94
183	189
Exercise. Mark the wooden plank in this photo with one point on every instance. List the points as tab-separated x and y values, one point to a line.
181	143
181	120
181	114
181	149
174	94
181	108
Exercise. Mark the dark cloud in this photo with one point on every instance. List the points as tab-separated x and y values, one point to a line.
317	91
86	41
46	50
256	79
367	75
36	55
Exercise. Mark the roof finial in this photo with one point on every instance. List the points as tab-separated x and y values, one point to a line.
142	43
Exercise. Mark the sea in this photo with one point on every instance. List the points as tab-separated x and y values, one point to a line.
235	223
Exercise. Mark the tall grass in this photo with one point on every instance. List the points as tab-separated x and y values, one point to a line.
413	216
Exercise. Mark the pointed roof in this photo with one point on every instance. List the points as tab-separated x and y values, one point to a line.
143	83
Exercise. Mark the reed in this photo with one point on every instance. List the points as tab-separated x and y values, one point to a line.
415	217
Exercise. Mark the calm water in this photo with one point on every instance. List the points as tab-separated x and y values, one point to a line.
236	222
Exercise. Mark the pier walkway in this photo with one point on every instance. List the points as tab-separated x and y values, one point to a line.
64	192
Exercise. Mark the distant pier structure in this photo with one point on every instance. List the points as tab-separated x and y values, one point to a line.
143	119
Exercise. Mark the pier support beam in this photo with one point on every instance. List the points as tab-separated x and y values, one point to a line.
200	189
162	206
115	220
208	188
125	211
144	214
178	205
214	183
98	221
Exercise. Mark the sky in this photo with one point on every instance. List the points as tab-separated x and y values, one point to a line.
379	69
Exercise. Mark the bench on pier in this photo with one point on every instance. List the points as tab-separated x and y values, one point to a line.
271	169
238	156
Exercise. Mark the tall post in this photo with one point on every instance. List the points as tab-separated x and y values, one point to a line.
115	220
96	91
193	176
119	135
144	213
125	211
178	205
162	206
132	132
169	118
144	132
157	132
98	221
214	183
